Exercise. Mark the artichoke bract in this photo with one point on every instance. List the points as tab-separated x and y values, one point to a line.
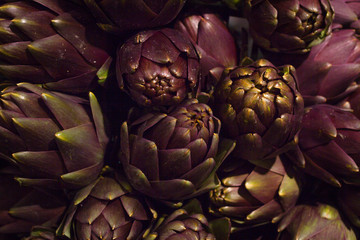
41	233
316	221
329	73
21	208
289	26
106	209
250	194
215	45
56	140
158	67
329	141
170	156
353	102
261	108
51	42
347	14
116	16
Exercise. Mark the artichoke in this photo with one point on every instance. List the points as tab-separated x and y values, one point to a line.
260	108
329	73
51	42
315	222
188	223
214	43
171	156
56	140
347	14
250	194
329	141
121	16
21	208
106	209
158	67
289	26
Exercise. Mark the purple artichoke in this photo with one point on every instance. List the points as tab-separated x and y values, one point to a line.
315	222
329	72
215	44
106	209
188	223
329	141
21	208
121	16
251	194
56	140
347	13
51	42
158	67
260	108
180	149
289	26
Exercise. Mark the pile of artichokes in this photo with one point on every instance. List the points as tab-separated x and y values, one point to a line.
179	119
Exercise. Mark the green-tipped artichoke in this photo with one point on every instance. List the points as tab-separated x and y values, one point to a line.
171	156
250	194
315	222
106	209
56	140
261	108
52	42
289	26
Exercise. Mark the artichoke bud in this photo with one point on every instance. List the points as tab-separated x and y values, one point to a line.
319	221
48	135
187	222
160	70
259	95
106	207
178	145
252	194
289	28
329	141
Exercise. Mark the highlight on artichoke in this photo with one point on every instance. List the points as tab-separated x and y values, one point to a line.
175	119
261	108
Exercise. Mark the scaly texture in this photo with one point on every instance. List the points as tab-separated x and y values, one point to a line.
52	42
56	140
289	26
158	67
261	108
